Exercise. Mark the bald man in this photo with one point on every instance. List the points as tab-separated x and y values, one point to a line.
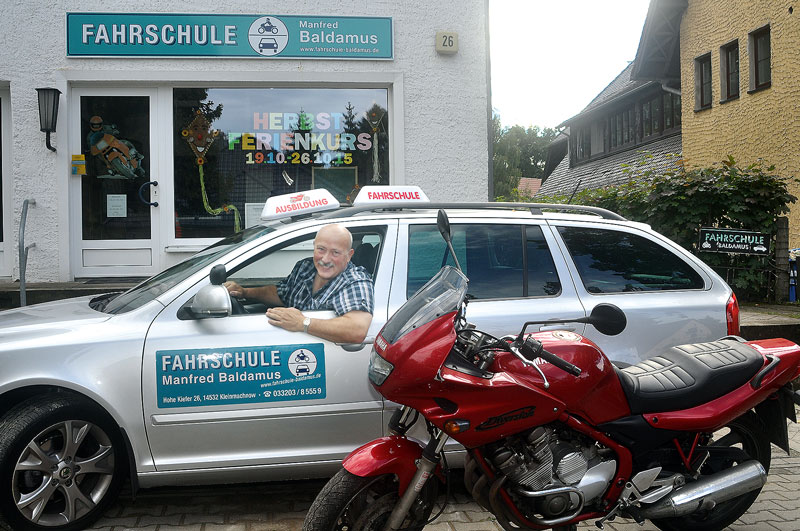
327	281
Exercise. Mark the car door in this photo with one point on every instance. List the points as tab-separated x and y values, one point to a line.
514	266
237	391
667	296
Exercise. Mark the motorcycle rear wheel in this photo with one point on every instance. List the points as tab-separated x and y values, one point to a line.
747	433
353	503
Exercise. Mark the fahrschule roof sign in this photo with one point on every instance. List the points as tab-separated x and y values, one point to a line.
192	35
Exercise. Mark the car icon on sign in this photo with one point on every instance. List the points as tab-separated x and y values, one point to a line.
759	248
268	43
303	369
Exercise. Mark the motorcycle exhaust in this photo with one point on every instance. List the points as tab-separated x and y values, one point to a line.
708	491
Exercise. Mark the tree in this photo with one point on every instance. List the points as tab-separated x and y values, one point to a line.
518	152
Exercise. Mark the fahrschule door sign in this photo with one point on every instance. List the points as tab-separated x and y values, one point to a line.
190	35
733	241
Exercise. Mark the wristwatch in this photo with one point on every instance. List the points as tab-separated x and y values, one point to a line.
306	323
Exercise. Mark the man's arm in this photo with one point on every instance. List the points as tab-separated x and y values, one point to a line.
266	294
351	327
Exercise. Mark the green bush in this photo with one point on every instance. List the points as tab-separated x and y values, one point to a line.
679	201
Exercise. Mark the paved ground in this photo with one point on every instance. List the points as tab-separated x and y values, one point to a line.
281	506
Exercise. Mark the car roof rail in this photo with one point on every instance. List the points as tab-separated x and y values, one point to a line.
535	208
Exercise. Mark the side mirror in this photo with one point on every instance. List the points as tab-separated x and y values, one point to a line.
213	300
608	319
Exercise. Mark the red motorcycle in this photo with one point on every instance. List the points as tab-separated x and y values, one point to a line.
555	433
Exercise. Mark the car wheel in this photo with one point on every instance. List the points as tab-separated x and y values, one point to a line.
61	464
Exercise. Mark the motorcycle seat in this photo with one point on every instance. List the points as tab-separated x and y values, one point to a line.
688	375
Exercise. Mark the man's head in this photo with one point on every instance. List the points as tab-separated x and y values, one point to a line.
333	248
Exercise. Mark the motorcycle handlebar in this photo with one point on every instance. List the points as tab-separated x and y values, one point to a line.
532	349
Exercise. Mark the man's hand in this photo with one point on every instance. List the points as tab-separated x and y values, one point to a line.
290	319
234	289
351	327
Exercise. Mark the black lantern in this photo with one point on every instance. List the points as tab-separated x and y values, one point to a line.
48	112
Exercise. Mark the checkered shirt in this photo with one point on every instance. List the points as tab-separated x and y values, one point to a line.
350	290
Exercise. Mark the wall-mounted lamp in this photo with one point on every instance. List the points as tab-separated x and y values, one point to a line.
48	112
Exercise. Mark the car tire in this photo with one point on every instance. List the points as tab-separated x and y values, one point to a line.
48	482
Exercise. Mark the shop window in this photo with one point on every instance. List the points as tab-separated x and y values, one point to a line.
236	147
729	71
494	258
760	69
702	82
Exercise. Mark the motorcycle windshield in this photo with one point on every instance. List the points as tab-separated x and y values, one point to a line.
442	294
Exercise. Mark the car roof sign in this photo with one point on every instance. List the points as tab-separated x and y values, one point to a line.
286	205
390	194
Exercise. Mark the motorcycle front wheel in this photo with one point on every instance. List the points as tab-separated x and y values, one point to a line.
123	167
746	433
353	503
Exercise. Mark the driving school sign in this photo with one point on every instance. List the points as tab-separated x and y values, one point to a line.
733	241
192	35
240	375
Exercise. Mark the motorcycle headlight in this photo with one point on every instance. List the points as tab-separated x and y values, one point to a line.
379	368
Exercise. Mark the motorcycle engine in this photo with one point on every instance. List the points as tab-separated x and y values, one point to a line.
546	459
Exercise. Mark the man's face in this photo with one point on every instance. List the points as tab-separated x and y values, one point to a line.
332	252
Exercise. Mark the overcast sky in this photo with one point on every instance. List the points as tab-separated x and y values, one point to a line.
551	58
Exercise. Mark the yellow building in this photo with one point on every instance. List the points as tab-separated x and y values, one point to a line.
738	62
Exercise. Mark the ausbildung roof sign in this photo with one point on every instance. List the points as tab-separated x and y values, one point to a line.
733	241
192	35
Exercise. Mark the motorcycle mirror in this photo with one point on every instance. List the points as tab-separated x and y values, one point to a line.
608	319
443	224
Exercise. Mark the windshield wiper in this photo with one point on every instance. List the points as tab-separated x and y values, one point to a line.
100	302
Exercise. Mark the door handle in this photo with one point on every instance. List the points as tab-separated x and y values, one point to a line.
548	328
141	193
355	347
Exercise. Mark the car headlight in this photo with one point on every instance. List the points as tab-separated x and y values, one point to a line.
379	368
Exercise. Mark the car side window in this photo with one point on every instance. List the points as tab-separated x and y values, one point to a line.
542	277
610	261
497	259
275	264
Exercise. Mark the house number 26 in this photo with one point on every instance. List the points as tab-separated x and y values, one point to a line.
446	42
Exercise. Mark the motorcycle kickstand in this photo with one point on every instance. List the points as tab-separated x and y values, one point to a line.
610	516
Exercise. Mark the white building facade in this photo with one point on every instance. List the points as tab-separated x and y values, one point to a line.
176	121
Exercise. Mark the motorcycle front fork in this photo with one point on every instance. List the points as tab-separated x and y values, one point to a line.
426	465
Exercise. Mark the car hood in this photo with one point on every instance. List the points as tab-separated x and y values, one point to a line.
48	318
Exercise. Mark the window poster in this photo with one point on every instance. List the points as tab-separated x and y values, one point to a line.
239	146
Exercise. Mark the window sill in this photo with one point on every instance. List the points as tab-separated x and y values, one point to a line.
701	109
732	98
765	86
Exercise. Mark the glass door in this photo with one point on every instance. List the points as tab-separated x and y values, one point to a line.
114	183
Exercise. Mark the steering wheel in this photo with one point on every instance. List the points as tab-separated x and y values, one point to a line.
237	308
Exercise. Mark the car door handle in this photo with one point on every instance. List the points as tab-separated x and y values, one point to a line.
548	328
355	347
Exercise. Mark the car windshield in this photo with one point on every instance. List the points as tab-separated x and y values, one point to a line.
167	279
442	294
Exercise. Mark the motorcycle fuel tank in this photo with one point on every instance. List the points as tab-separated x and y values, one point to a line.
596	395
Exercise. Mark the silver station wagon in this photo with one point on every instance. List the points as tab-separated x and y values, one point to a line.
173	383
